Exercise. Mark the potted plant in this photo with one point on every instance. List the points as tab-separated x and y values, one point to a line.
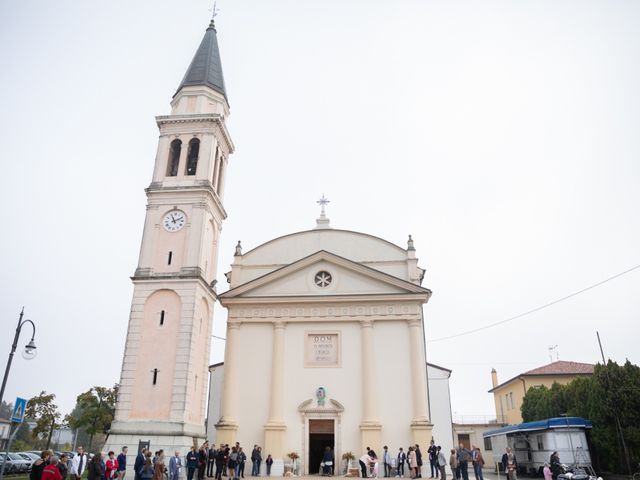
348	458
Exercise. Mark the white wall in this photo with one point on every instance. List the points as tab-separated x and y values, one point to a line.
440	406
216	377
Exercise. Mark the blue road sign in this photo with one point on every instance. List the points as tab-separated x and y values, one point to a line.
18	410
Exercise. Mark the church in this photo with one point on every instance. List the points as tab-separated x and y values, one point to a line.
325	342
325	346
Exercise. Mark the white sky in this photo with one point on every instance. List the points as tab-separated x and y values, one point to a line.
502	135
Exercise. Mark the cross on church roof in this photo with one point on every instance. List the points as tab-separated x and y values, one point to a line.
323	202
322	221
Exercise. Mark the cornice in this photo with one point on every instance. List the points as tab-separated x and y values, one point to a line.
199	186
215	118
300	312
141	277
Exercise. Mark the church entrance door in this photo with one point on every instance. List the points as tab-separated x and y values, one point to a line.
321	436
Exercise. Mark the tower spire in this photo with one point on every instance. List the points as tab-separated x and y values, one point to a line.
206	67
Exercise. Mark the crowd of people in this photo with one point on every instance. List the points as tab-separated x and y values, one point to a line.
207	461
97	467
411	463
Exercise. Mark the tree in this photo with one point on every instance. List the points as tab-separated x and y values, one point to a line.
45	413
610	398
94	411
6	409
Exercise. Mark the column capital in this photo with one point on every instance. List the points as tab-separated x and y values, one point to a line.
366	323
233	325
279	325
414	322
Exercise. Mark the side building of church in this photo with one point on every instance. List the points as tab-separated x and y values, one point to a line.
325	347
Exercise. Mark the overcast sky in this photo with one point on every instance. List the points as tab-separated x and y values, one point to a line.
504	136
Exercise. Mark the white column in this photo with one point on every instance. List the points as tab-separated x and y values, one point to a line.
418	381
369	398
277	374
370	427
227	412
275	428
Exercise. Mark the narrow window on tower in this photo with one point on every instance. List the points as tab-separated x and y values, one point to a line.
161	317
192	157
174	158
215	167
155	376
169	258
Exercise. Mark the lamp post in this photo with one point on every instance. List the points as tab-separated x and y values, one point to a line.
28	353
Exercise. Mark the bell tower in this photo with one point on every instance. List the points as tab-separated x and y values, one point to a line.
163	385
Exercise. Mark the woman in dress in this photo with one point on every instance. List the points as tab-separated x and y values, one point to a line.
159	467
413	463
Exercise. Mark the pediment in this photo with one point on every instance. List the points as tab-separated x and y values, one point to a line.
346	278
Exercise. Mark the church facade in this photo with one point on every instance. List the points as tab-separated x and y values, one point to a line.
325	347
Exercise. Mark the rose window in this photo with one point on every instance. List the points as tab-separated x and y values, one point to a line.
322	279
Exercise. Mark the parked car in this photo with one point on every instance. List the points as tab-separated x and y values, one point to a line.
22	465
13	466
30	457
8	468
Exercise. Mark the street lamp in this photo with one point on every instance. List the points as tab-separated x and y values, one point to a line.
28	353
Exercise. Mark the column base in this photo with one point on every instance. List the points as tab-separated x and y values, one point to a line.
422	433
371	436
274	441
226	432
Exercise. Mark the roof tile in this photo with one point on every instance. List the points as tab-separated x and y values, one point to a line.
562	367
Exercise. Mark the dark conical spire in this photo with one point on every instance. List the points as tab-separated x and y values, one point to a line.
206	67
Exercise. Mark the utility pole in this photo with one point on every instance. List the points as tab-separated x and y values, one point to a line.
615	409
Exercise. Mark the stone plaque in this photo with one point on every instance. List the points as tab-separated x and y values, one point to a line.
322	349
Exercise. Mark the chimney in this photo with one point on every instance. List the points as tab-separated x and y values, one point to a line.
494	377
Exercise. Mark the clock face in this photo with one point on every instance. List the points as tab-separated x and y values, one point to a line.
174	220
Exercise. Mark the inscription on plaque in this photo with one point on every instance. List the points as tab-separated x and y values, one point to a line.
322	349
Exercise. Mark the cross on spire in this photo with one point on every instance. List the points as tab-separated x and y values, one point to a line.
214	11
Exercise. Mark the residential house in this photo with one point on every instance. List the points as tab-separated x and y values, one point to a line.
508	395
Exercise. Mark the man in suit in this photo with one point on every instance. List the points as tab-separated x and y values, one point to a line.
402	457
175	465
211	460
139	463
79	463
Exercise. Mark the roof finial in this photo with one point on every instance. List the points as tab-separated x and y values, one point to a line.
322	221
410	244
323	202
214	13
238	251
